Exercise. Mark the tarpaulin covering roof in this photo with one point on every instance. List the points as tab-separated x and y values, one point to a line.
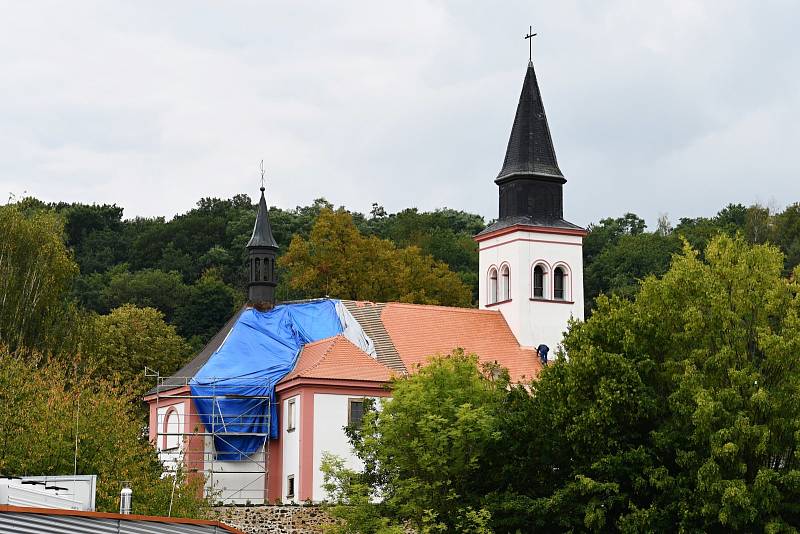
235	390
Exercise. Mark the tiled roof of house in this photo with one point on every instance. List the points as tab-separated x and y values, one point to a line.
337	358
419	331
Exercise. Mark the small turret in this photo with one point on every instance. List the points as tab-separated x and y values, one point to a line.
262	250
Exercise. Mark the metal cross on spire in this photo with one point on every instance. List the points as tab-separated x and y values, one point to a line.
262	174
530	37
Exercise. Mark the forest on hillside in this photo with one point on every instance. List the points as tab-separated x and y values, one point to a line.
191	268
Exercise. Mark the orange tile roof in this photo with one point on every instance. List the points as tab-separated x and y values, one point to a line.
419	331
337	358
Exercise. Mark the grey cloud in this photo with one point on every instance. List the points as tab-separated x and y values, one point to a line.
677	107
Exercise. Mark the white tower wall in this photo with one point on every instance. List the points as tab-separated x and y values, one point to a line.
534	320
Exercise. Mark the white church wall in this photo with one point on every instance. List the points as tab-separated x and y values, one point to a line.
330	418
534	321
291	447
240	482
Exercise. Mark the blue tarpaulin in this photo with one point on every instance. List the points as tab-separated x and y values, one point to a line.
234	392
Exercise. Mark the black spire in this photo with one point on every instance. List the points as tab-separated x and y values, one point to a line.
530	180
262	250
530	149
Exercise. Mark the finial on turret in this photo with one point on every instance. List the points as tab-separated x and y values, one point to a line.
262	176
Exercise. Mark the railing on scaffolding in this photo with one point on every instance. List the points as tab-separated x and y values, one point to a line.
229	482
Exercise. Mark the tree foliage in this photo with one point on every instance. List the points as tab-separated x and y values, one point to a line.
423	450
337	260
46	402
130	338
676	411
36	271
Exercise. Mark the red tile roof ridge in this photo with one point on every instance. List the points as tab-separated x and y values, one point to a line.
361	303
440	307
322	341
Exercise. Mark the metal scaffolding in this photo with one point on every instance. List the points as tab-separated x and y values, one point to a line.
182	438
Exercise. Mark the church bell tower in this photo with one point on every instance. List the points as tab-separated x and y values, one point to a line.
262	250
531	260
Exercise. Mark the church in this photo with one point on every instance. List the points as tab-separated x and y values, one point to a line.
273	390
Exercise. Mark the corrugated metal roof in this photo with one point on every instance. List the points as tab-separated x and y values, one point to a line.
62	522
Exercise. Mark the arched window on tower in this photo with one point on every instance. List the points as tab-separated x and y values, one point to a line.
559	284
493	286
538	282
266	269
257	276
505	283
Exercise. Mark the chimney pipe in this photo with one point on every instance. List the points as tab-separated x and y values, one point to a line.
125	500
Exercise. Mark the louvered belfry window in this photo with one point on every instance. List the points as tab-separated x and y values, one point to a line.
558	284
538	282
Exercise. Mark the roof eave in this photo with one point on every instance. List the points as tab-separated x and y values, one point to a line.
527	175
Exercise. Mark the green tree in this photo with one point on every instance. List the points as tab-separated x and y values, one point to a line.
36	272
338	261
787	235
146	288
730	220
208	307
45	402
130	338
619	267
423	450
676	411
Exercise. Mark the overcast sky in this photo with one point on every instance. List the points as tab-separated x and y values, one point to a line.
676	107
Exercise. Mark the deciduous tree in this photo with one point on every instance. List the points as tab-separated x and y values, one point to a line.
47	405
338	261
36	272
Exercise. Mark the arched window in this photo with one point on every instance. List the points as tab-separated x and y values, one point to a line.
493	286
172	428
257	277
559	284
538	282
266	269
505	283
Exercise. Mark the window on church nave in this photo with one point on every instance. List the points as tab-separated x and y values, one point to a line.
559	292
493	286
538	282
172	428
290	415
355	413
505	285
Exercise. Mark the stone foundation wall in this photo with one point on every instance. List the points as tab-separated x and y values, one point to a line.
274	519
